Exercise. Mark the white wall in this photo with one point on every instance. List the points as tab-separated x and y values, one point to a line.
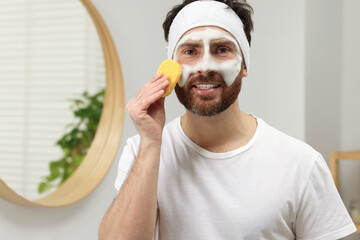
350	101
274	91
323	74
350	137
333	84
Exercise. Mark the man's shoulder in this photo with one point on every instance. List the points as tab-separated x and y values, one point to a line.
288	145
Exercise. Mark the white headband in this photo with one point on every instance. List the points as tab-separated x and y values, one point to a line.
208	13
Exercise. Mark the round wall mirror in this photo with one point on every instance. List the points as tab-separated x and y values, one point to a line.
61	101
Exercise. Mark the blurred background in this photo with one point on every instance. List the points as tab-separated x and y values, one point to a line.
52	64
304	80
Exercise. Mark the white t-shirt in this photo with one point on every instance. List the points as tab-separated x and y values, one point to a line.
275	188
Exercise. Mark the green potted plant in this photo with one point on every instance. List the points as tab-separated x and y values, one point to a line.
76	141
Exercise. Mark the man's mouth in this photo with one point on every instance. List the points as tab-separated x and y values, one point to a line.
207	86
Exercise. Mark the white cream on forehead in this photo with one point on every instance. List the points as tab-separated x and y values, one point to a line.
229	69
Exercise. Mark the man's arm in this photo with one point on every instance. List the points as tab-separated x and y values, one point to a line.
133	213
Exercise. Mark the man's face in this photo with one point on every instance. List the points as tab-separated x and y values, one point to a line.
211	61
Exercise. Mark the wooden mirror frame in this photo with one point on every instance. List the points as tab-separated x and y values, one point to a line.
104	147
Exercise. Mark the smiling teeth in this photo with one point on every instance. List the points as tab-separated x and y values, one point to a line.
206	86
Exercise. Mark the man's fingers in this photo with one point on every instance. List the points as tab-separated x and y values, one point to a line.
162	83
149	94
151	88
147	101
155	78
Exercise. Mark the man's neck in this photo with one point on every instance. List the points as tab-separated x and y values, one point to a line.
223	132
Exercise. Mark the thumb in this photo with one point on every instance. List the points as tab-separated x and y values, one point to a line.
161	101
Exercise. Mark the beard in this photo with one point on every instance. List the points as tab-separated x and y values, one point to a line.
208	105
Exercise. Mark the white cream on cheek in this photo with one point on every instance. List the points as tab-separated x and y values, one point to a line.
229	69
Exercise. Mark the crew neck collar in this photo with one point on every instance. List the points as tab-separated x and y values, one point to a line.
223	155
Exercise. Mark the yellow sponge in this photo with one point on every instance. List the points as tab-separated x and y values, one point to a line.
172	70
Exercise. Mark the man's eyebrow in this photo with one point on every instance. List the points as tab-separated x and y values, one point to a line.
224	42
190	44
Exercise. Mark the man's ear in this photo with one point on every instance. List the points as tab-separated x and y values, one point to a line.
244	72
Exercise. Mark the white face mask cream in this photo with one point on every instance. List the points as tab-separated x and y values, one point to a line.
228	69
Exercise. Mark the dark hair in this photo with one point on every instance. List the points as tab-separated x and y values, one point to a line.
242	9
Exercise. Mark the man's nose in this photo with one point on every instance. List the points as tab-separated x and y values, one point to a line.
205	72
206	65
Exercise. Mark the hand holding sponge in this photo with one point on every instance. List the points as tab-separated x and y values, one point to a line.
172	70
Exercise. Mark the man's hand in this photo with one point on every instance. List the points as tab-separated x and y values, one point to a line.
147	108
133	213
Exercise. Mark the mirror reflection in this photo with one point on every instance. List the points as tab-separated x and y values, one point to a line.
52	77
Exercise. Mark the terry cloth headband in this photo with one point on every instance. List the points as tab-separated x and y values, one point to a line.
208	13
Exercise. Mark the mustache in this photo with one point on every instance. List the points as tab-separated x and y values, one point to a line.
211	77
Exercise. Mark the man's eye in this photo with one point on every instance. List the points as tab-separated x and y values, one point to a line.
222	50
189	52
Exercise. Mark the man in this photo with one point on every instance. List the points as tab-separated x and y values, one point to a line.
217	172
